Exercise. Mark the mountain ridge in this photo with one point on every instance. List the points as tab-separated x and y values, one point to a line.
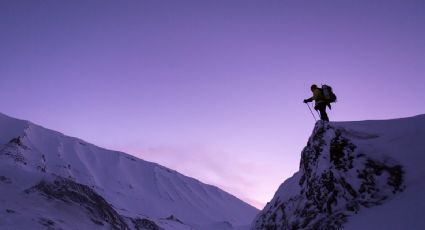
134	187
29	123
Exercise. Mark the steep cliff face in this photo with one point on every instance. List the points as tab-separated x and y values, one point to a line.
347	168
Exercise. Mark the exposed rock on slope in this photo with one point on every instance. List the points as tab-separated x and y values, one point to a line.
96	207
347	168
49	180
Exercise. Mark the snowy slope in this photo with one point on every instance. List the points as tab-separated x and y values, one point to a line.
355	175
49	180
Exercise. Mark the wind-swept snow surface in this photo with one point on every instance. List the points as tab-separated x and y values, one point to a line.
52	181
355	175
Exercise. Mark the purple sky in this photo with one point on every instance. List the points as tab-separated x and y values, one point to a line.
213	89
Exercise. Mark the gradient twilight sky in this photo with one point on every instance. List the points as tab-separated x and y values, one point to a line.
212	89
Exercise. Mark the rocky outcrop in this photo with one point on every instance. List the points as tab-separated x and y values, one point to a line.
145	224
70	192
89	201
335	181
14	148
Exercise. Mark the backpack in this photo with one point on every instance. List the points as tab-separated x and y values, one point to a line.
328	93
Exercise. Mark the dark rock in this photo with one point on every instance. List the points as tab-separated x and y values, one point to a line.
70	192
14	149
173	218
5	180
49	224
10	211
145	224
331	188
16	140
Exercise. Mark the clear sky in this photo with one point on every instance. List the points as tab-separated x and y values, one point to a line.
213	89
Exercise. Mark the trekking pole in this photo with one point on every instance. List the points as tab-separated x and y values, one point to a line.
311	111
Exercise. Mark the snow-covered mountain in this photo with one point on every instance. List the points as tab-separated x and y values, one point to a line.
52	181
355	175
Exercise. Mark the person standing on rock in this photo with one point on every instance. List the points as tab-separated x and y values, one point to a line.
320	102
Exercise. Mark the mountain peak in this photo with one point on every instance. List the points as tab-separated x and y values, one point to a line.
52	167
349	168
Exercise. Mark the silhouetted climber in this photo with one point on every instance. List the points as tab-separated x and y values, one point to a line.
321	102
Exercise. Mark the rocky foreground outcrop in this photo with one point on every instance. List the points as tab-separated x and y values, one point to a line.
336	180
